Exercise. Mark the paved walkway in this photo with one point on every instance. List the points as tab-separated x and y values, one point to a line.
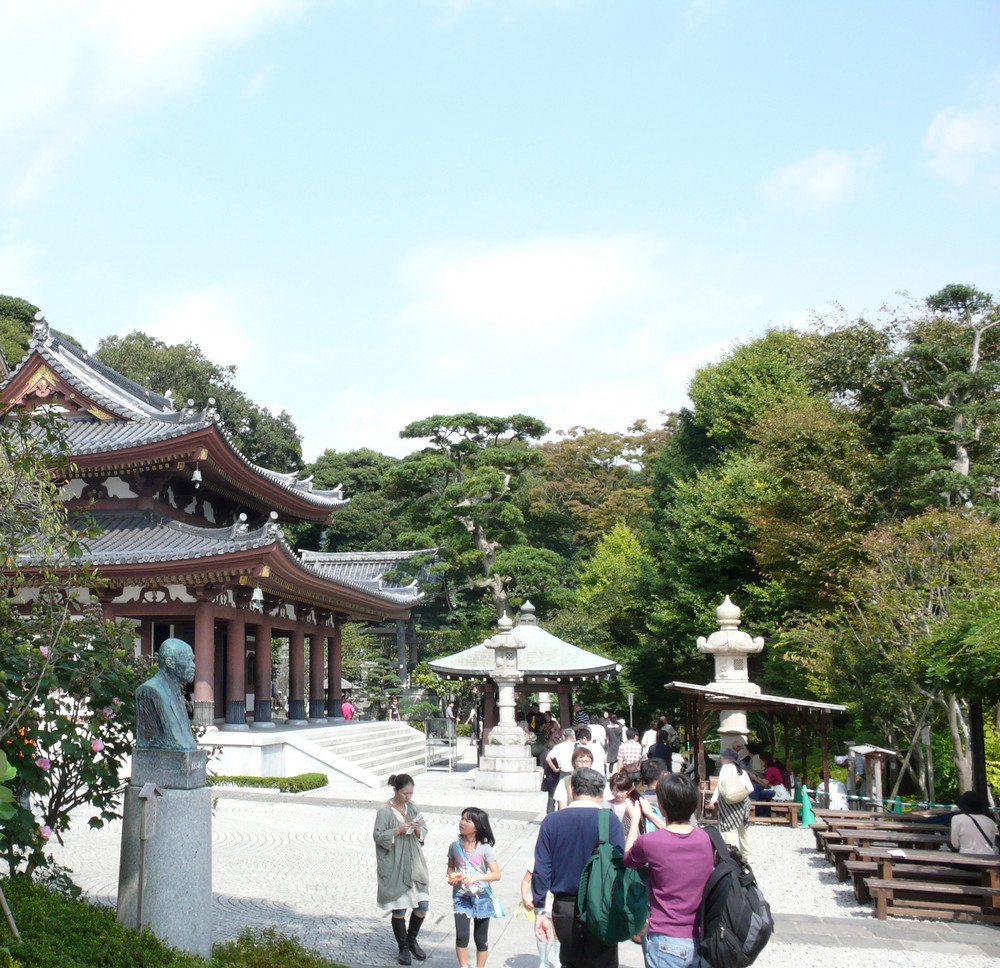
305	864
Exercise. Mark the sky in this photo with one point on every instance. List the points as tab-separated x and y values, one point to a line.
380	210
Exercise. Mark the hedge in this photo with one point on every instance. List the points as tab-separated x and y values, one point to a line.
286	784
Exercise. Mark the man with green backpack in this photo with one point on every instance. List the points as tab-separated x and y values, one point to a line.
566	844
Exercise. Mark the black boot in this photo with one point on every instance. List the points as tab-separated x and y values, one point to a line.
399	930
411	937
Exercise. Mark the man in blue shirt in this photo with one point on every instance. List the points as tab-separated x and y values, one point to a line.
565	842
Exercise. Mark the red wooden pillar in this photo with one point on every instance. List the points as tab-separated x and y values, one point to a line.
262	679
335	709
219	651
236	673
565	705
204	662
297	675
317	711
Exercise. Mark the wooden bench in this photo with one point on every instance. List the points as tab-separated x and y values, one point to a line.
782	811
842	845
936	899
860	871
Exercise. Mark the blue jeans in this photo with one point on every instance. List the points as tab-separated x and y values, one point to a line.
662	951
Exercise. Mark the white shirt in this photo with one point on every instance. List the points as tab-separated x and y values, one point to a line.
598	734
562	800
648	738
562	755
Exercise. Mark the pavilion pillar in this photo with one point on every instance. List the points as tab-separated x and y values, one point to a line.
545	702
334	703
107	609
411	634
297	675
204	662
219	710
146	638
262	680
236	673
317	712
826	757
401	649
565	705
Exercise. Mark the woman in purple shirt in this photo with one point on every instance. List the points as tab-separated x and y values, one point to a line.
680	859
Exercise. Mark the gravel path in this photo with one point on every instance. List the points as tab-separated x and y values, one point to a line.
309	869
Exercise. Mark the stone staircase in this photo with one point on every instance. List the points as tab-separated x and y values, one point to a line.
367	752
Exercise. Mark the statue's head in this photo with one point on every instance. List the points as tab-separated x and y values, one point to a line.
177	658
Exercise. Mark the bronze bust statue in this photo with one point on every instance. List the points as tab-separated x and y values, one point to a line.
162	719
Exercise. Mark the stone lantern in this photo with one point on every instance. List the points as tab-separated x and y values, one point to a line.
507	763
730	648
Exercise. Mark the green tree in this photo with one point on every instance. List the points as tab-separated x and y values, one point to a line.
597	479
16	320
68	679
461	496
269	440
917	597
948	372
371	522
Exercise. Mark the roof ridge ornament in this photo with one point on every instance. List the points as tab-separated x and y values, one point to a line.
272	529
40	330
526	614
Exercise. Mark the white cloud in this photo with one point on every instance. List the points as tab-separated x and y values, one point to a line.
17	268
66	66
819	181
960	143
546	289
211	318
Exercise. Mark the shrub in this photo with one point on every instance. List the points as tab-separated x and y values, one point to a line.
60	932
285	784
267	949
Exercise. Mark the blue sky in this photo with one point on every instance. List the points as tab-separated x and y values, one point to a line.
384	209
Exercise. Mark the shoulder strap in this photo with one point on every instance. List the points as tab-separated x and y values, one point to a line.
603	825
986	836
721	847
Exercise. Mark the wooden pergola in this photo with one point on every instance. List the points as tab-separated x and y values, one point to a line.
699	703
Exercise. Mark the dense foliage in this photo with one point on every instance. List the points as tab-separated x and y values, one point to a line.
269	440
61	932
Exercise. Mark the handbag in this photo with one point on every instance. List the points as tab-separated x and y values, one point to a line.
731	789
498	910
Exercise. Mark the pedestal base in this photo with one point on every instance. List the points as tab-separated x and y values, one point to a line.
510	768
172	868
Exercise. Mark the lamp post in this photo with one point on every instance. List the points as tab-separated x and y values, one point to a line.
729	647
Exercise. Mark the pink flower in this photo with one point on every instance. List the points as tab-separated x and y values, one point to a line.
97	745
116	701
106	712
43	763
45	832
45	650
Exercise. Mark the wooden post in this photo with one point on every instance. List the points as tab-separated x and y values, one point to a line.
317	708
931	794
204	661
236	672
335	709
297	675
802	740
262	680
826	757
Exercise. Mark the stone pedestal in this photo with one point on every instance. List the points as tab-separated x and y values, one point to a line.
169	857
510	768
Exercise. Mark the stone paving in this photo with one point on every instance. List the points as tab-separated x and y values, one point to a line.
305	864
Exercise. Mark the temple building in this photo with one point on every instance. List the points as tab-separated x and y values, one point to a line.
191	541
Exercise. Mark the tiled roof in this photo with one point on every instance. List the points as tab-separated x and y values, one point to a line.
544	656
147	537
131	537
147	417
366	568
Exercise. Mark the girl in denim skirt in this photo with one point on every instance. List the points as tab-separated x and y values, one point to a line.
472	864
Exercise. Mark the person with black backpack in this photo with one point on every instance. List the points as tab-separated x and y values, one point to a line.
680	859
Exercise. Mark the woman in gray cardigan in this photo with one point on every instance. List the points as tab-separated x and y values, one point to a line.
403	879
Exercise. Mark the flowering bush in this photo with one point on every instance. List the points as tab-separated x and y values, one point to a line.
63	665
